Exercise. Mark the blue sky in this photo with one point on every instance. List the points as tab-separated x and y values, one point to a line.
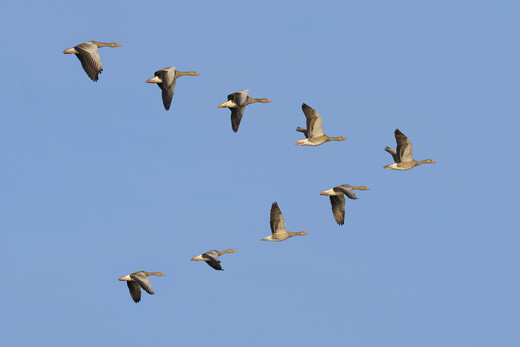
99	181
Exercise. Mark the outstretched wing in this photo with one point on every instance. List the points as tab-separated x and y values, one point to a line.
89	57
143	281
236	117
347	190
338	208
167	95
314	121
304	131
393	153
276	221
212	260
239	98
135	290
404	146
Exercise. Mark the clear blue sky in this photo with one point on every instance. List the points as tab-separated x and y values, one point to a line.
98	180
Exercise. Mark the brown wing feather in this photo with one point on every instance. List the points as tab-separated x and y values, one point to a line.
347	190
167	95
338	208
213	260
143	281
314	121
135	290
236	117
404	146
89	57
276	221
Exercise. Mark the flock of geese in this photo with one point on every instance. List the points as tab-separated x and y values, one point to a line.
88	55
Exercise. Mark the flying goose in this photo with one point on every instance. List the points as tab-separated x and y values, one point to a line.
137	280
337	199
237	103
279	233
211	258
314	133
403	155
165	79
87	53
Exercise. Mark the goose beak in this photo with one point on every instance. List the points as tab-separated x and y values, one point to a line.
153	80
224	104
118	45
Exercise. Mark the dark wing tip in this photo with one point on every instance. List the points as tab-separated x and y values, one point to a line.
304	106
275	204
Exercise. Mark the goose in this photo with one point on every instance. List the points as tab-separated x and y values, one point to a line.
237	103
314	133
87	53
403	155
337	199
279	233
211	258
137	280
165	79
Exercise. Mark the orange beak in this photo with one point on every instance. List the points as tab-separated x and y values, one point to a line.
152	80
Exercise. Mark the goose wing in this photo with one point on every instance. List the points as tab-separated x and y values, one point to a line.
338	208
276	221
167	95
135	290
89	57
239	98
347	190
314	121
236	117
304	131
393	153
167	75
212	260
141	279
404	146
